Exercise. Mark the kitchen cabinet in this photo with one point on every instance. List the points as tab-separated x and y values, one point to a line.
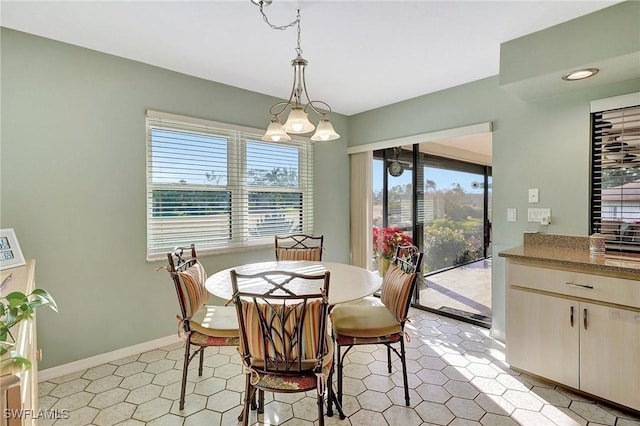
610	353
539	335
575	326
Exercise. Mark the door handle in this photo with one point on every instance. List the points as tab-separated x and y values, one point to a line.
585	286
571	316
584	318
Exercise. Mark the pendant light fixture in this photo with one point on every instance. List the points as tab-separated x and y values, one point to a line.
299	104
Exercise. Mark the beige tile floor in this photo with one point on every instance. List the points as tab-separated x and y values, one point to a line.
466	288
457	376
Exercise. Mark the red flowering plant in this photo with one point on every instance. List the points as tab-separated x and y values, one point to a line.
387	240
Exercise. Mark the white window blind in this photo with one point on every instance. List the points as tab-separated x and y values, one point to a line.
615	177
222	188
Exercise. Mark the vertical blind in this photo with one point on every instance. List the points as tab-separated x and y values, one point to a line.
361	209
615	177
222	188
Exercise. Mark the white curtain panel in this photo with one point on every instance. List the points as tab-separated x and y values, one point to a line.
361	209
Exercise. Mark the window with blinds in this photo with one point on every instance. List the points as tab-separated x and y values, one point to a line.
222	188
615	177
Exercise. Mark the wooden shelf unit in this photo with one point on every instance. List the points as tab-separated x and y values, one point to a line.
19	386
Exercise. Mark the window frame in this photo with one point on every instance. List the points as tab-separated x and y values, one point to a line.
618	107
240	238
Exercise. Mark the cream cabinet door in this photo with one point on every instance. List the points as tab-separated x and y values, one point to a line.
609	353
542	336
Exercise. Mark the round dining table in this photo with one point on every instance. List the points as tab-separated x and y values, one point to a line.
346	283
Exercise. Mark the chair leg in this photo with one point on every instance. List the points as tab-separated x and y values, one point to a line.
260	401
403	359
249	395
201	361
185	367
320	402
389	358
339	375
330	395
254	404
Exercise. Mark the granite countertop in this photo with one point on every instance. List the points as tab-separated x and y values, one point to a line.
571	251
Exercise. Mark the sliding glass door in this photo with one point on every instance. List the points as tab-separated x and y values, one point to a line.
454	212
444	207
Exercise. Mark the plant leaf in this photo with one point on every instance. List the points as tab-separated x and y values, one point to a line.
18	359
45	297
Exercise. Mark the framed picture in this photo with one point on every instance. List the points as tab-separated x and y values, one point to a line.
10	253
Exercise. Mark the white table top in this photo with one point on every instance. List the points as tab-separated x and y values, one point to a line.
347	282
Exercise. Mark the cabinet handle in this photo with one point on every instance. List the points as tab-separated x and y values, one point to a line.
584	318
572	316
585	286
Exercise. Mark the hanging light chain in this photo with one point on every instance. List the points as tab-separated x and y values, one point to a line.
283	27
298	49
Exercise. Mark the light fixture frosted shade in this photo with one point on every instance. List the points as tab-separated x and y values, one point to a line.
298	122
275	133
325	131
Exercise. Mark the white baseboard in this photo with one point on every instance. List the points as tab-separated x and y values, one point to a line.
94	361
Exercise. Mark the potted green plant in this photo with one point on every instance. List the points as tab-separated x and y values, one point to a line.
14	308
385	243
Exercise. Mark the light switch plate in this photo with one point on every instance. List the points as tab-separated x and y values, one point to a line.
533	195
511	215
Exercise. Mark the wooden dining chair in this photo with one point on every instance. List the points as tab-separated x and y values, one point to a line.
299	247
200	324
380	325
284	342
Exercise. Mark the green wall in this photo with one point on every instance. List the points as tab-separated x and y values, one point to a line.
73	174
73	187
542	143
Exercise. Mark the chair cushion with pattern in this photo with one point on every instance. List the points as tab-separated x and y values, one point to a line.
274	316
395	291
302	382
192	288
308	364
200	339
313	254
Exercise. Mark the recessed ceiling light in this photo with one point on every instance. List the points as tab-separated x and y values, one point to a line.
580	74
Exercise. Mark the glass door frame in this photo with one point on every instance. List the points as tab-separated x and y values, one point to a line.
418	204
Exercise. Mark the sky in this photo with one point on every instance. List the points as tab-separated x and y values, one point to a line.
444	179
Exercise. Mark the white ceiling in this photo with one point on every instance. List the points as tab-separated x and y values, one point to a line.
362	54
475	148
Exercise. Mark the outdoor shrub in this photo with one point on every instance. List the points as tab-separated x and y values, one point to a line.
444	247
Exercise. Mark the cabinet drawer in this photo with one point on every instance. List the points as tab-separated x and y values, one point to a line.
619	291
